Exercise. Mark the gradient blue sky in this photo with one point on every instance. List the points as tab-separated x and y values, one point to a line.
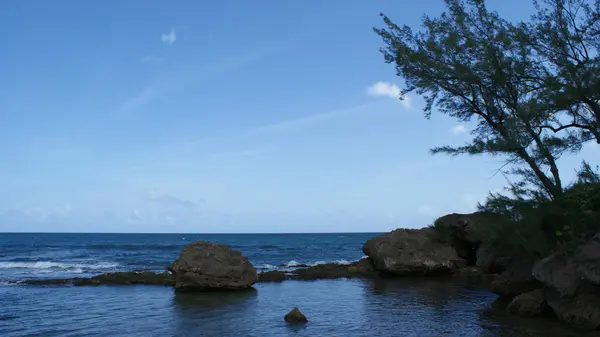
230	116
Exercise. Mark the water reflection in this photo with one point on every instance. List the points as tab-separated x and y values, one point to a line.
405	307
213	313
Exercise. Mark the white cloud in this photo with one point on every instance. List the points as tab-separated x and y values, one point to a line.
425	209
458	129
169	38
387	89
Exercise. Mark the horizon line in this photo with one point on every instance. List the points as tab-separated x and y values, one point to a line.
176	233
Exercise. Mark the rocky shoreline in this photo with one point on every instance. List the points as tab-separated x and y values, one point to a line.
564	285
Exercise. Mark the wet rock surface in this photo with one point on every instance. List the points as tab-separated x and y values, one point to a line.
117	278
295	316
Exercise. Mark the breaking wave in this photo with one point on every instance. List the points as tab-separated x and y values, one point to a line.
44	265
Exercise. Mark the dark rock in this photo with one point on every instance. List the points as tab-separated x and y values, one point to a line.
530	304
516	279
325	271
502	302
118	278
581	310
572	282
272	276
46	282
127	278
494	260
295	316
411	252
209	266
365	267
460	230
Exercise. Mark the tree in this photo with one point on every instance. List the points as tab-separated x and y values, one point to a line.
565	36
472	65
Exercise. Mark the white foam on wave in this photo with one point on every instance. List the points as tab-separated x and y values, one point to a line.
74	267
266	266
295	263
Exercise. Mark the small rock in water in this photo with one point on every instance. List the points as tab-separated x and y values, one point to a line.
295	316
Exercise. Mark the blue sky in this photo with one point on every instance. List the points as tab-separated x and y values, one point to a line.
236	116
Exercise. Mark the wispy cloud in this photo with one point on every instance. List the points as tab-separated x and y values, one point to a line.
186	77
387	89
134	216
169	38
141	98
458	129
242	153
169	200
37	213
291	124
149	59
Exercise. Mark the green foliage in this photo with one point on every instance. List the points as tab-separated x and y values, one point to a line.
537	226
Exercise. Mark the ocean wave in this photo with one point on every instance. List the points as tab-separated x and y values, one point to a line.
134	247
43	265
266	266
296	264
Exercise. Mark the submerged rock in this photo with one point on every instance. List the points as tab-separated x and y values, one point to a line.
117	278
365	267
325	271
411	252
530	304
572	283
272	276
209	266
295	316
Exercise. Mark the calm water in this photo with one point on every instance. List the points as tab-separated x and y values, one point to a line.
408	307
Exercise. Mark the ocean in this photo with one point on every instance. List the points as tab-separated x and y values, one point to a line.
357	307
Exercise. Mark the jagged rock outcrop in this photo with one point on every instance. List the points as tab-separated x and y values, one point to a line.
571	278
411	252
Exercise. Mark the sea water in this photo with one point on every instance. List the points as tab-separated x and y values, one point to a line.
399	307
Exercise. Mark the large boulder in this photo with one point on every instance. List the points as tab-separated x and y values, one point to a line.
210	266
460	231
411	252
572	283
